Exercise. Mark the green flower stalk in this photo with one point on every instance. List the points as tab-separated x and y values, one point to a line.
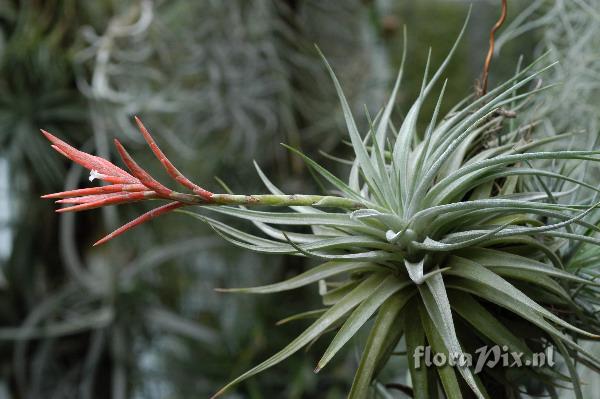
447	237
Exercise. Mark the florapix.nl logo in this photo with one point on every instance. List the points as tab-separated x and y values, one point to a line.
485	356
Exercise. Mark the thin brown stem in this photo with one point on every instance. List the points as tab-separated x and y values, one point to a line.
490	54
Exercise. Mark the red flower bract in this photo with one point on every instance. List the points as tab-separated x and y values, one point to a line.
125	187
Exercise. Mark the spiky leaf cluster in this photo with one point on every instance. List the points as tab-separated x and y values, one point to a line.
456	244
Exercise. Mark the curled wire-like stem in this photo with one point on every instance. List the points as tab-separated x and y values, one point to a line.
488	58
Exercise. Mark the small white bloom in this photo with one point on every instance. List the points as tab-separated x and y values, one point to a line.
95	175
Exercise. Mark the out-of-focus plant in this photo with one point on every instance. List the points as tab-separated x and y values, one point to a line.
569	31
449	238
110	320
244	75
37	85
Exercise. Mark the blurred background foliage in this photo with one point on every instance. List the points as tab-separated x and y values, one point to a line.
219	84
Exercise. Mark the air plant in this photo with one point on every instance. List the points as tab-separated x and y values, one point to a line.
447	237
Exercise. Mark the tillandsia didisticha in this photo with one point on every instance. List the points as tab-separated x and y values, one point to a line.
139	185
456	236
